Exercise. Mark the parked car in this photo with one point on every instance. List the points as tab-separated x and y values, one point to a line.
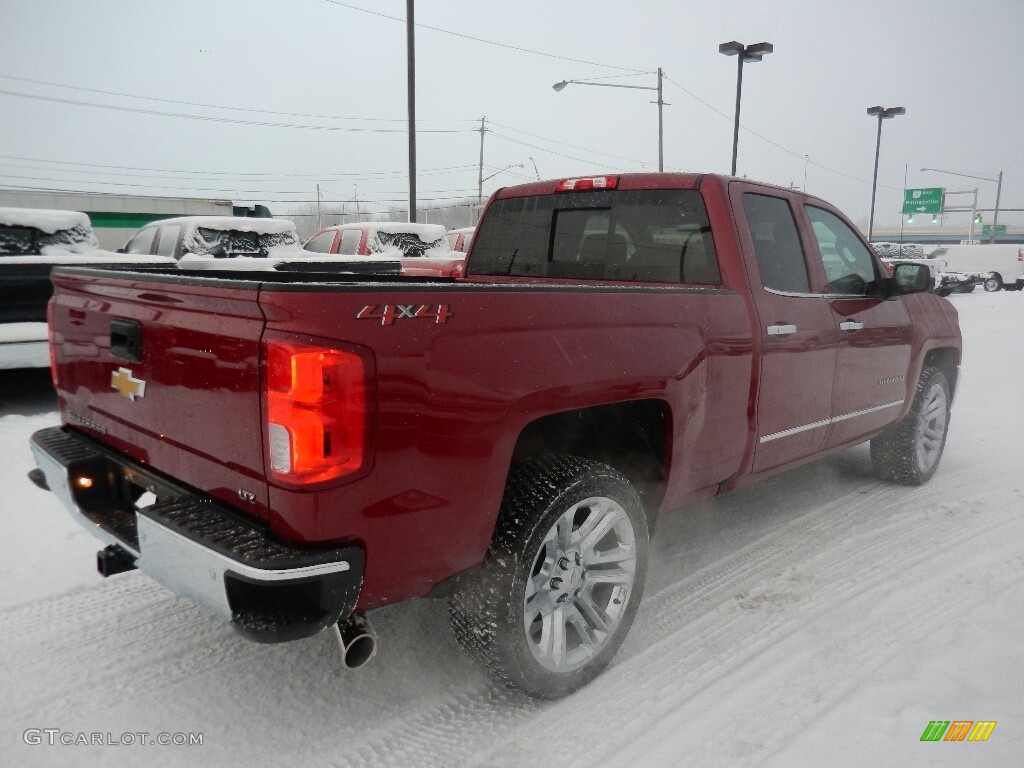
460	239
32	242
294	454
423	248
214	237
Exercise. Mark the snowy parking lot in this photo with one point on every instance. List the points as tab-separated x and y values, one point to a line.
821	618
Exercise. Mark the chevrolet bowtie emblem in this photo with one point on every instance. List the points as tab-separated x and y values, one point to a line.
130	387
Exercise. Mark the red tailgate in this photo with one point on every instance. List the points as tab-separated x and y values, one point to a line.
168	373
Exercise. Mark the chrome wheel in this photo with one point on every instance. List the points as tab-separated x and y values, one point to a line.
580	584
931	428
562	580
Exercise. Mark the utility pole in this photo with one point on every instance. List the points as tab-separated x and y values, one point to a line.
410	35
661	127
480	175
319	226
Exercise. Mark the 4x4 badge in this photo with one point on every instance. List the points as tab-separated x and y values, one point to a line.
126	384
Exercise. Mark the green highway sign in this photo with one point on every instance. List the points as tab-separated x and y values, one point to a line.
923	200
986	229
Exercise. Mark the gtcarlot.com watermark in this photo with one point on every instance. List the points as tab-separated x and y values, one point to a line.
57	737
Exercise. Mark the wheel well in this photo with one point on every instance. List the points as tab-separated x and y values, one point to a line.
632	437
946	360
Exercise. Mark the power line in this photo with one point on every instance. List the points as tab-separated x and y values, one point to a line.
214	119
213	175
485	41
221	106
206	189
550	151
361	200
765	139
572	146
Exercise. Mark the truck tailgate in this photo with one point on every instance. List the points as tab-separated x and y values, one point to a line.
167	372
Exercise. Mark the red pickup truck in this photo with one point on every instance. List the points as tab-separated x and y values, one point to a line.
292	452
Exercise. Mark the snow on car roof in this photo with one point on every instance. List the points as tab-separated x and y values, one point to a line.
426	232
462	231
48	221
236	223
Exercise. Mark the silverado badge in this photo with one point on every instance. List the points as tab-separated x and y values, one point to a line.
130	387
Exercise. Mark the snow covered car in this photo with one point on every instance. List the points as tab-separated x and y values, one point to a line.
423	248
32	242
460	239
215	237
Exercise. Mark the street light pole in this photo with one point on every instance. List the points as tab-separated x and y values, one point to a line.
558	87
999	188
743	53
995	213
882	113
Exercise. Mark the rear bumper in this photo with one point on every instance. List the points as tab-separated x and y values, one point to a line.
269	590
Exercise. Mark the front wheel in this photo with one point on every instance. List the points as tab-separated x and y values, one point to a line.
562	580
909	452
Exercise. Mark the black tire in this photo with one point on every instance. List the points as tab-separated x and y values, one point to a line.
993	282
965	289
561	575
909	452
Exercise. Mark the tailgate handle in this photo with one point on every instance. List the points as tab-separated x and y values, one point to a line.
126	339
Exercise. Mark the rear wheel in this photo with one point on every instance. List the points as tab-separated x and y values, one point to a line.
562	580
993	282
909	453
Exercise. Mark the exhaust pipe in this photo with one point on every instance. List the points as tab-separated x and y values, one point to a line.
356	640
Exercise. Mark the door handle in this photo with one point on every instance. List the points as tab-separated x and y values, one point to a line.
850	325
783	329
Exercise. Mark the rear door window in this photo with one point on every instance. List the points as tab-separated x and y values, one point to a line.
780	255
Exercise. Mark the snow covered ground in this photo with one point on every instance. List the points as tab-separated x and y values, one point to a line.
820	619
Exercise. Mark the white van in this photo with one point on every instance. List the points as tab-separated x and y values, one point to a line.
1002	265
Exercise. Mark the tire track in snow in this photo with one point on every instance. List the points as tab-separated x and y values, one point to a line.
458	730
704	651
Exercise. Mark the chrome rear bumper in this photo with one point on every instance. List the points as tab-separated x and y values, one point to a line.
271	591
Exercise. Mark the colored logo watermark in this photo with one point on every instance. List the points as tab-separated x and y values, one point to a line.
958	730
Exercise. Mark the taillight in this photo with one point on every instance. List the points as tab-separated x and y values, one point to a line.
318	408
51	339
591	182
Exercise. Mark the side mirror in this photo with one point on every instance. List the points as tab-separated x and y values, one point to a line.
906	279
912	278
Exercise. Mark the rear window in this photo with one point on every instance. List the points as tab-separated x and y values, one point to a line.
660	236
409	243
18	240
222	243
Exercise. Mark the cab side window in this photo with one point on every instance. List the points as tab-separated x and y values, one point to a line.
349	244
142	243
849	266
168	240
780	255
321	243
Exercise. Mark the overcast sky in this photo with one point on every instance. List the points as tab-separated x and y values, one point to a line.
332	81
